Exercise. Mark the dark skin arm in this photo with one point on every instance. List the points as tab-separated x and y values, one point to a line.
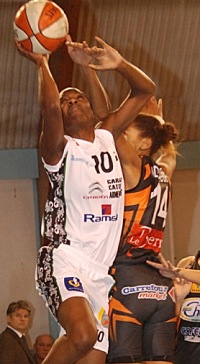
52	139
141	86
98	97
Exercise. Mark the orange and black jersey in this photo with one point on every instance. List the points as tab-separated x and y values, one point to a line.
145	212
142	304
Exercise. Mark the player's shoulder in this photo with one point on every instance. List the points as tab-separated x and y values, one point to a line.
103	133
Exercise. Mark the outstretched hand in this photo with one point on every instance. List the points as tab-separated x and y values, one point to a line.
105	57
77	51
165	267
153	107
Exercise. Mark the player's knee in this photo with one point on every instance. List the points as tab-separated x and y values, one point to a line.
84	337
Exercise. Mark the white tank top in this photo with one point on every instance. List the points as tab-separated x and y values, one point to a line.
86	202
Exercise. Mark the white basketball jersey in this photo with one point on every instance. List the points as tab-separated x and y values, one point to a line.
86	201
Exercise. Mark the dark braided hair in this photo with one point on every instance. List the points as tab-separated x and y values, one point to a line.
160	134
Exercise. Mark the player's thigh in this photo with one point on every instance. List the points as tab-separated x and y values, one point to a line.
126	342
75	312
159	342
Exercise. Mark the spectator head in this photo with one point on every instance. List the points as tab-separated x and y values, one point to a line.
18	315
43	344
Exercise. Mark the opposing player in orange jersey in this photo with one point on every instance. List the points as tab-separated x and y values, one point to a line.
142	308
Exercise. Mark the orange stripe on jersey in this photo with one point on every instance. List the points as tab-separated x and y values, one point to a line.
116	318
118	312
148	171
116	305
135	206
173	319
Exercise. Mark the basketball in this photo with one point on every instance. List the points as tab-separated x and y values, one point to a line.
41	26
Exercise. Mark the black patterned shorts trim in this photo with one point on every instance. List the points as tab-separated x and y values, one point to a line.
45	281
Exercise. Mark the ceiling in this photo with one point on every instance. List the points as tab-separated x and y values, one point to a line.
162	37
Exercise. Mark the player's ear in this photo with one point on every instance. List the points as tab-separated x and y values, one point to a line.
146	143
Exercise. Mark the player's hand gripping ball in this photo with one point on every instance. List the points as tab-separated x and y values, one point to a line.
41	26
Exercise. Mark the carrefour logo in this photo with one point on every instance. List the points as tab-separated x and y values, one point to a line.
106	215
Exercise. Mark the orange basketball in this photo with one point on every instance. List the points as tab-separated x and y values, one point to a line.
41	26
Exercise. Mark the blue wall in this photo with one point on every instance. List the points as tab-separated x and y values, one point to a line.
23	163
19	164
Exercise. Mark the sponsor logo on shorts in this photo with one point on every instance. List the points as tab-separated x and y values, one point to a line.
190	310
106	215
149	291
191	334
103	318
73	284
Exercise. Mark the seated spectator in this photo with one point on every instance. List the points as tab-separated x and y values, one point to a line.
13	345
188	302
43	344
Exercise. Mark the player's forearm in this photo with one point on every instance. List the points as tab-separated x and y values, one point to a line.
48	94
190	274
98	97
137	79
52	128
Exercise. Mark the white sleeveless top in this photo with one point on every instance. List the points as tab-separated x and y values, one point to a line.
86	201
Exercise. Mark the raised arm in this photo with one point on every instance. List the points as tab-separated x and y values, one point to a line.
166	155
141	90
97	95
167	159
52	138
142	87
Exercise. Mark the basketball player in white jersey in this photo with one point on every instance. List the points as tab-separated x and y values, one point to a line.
84	211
